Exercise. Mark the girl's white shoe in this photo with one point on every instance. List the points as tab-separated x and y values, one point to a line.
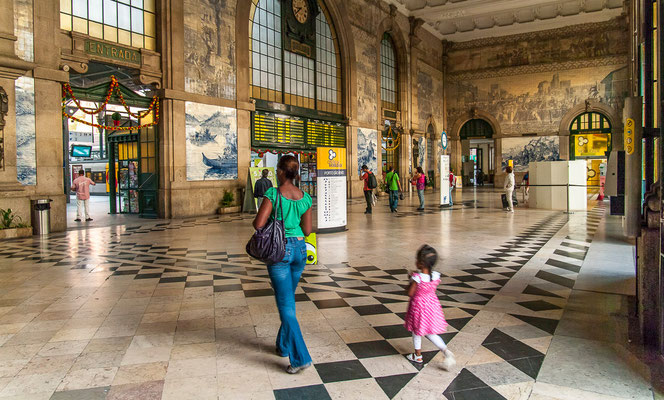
449	361
414	358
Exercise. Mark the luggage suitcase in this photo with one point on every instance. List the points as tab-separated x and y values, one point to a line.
504	198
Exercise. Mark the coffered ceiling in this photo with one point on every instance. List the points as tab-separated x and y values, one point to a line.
462	20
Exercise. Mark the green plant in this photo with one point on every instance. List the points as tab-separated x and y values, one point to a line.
227	200
382	186
116	116
8	219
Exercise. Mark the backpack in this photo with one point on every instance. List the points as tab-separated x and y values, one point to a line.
372	183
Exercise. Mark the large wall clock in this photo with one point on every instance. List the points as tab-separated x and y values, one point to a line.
299	30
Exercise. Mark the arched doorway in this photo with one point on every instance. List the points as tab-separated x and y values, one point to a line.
590	139
478	152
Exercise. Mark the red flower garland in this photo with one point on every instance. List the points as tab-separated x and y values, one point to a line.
67	92
261	153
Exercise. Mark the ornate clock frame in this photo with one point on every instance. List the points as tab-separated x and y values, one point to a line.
299	38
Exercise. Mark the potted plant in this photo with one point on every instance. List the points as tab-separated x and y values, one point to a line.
227	204
116	117
382	189
12	226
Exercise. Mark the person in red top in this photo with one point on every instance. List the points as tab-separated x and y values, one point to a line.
81	186
368	193
452	182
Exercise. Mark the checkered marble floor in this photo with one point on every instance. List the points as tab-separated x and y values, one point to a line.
177	310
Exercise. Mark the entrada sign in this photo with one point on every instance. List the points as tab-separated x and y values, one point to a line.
112	51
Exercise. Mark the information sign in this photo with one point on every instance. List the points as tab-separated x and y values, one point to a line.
331	163
444	180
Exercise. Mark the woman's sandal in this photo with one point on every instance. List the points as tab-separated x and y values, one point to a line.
414	358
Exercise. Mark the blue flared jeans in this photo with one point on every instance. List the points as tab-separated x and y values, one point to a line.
284	276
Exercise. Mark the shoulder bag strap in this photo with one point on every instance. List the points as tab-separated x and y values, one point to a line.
278	206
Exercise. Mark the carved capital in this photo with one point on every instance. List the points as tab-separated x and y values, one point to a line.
149	79
70	65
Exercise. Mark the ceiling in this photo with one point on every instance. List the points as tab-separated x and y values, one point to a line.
463	20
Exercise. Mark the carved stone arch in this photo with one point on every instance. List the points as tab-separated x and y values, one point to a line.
591	106
475	114
339	16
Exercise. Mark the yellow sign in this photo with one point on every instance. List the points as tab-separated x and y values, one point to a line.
591	145
331	158
629	136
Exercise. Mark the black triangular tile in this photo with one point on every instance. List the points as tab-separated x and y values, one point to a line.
392	385
546	324
459	323
530	289
529	365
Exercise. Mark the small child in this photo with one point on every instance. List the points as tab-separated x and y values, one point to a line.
425	314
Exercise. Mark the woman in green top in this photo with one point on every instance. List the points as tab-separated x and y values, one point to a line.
295	210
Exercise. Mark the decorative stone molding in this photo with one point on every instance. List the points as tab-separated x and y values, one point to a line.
537	68
590	105
569	31
474	113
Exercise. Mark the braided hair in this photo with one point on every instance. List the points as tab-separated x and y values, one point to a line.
428	256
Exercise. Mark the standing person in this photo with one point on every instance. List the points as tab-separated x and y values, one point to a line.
509	188
419	181
295	210
81	186
394	186
368	189
261	186
452	184
424	316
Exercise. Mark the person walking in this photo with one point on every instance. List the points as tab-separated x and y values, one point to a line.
261	186
509	188
81	186
452	184
424	316
369	185
295	210
420	181
394	187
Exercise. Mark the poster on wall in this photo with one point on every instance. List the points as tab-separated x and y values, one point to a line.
444	181
524	150
367	149
211	142
331	188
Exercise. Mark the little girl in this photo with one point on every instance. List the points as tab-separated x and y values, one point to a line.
425	315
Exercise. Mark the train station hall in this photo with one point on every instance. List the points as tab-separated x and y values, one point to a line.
331	199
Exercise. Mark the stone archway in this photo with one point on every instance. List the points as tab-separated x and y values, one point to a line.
590	106
456	150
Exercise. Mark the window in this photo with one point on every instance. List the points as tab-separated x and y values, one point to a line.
388	74
127	22
278	75
590	121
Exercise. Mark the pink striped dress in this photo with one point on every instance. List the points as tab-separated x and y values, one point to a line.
425	315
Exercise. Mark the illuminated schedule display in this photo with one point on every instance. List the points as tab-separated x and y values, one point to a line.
332	212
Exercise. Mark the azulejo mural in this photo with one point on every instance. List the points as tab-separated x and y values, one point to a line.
367	149
524	150
26	161
536	103
211	142
421	161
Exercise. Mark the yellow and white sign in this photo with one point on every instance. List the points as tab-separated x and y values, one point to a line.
332	213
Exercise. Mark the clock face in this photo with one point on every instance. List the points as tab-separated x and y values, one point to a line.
301	10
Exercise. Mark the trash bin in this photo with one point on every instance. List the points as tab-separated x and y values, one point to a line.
41	216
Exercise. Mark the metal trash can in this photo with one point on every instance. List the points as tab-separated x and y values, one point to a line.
41	216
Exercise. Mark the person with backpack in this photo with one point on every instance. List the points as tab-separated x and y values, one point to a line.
394	188
420	182
370	183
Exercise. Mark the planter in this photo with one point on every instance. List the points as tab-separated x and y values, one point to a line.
229	210
13	233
